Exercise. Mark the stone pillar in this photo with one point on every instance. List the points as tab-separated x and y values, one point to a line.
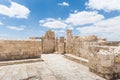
61	45
56	45
69	40
49	42
76	46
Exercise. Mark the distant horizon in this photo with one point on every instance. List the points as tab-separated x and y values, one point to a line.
29	38
21	19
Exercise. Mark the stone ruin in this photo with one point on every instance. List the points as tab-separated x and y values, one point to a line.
105	61
61	45
19	49
103	56
48	42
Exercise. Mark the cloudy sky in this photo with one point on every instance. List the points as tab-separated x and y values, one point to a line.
20	19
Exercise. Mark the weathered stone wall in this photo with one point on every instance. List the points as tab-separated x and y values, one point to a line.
61	45
56	45
48	42
105	61
83	49
69	40
77	45
108	43
48	46
19	49
91	38
103	56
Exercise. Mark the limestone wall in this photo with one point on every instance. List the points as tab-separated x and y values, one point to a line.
103	56
77	45
105	61
61	45
56	45
19	49
91	38
69	40
48	46
48	42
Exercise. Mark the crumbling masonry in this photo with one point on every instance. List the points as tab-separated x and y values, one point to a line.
19	49
102	57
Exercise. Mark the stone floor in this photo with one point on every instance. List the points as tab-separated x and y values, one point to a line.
54	67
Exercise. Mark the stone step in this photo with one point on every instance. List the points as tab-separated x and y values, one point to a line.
5	63
76	59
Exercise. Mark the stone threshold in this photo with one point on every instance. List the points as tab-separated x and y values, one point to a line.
76	59
12	62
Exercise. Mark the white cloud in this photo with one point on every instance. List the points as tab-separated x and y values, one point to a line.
52	23
60	33
21	28
84	17
1	23
75	19
109	28
63	4
106	5
70	28
75	11
15	10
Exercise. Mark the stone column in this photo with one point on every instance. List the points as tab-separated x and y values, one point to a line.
56	45
61	45
69	40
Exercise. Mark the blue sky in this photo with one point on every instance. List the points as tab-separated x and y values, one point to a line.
21	19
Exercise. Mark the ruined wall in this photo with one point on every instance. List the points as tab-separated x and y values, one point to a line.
56	45
61	45
77	45
83	49
91	38
19	49
69	42
48	46
105	61
48	42
103	56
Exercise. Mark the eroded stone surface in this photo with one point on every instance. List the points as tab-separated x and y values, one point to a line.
19	49
48	42
54	67
106	62
103	58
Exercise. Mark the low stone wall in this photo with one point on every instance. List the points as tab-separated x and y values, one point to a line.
105	62
19	49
